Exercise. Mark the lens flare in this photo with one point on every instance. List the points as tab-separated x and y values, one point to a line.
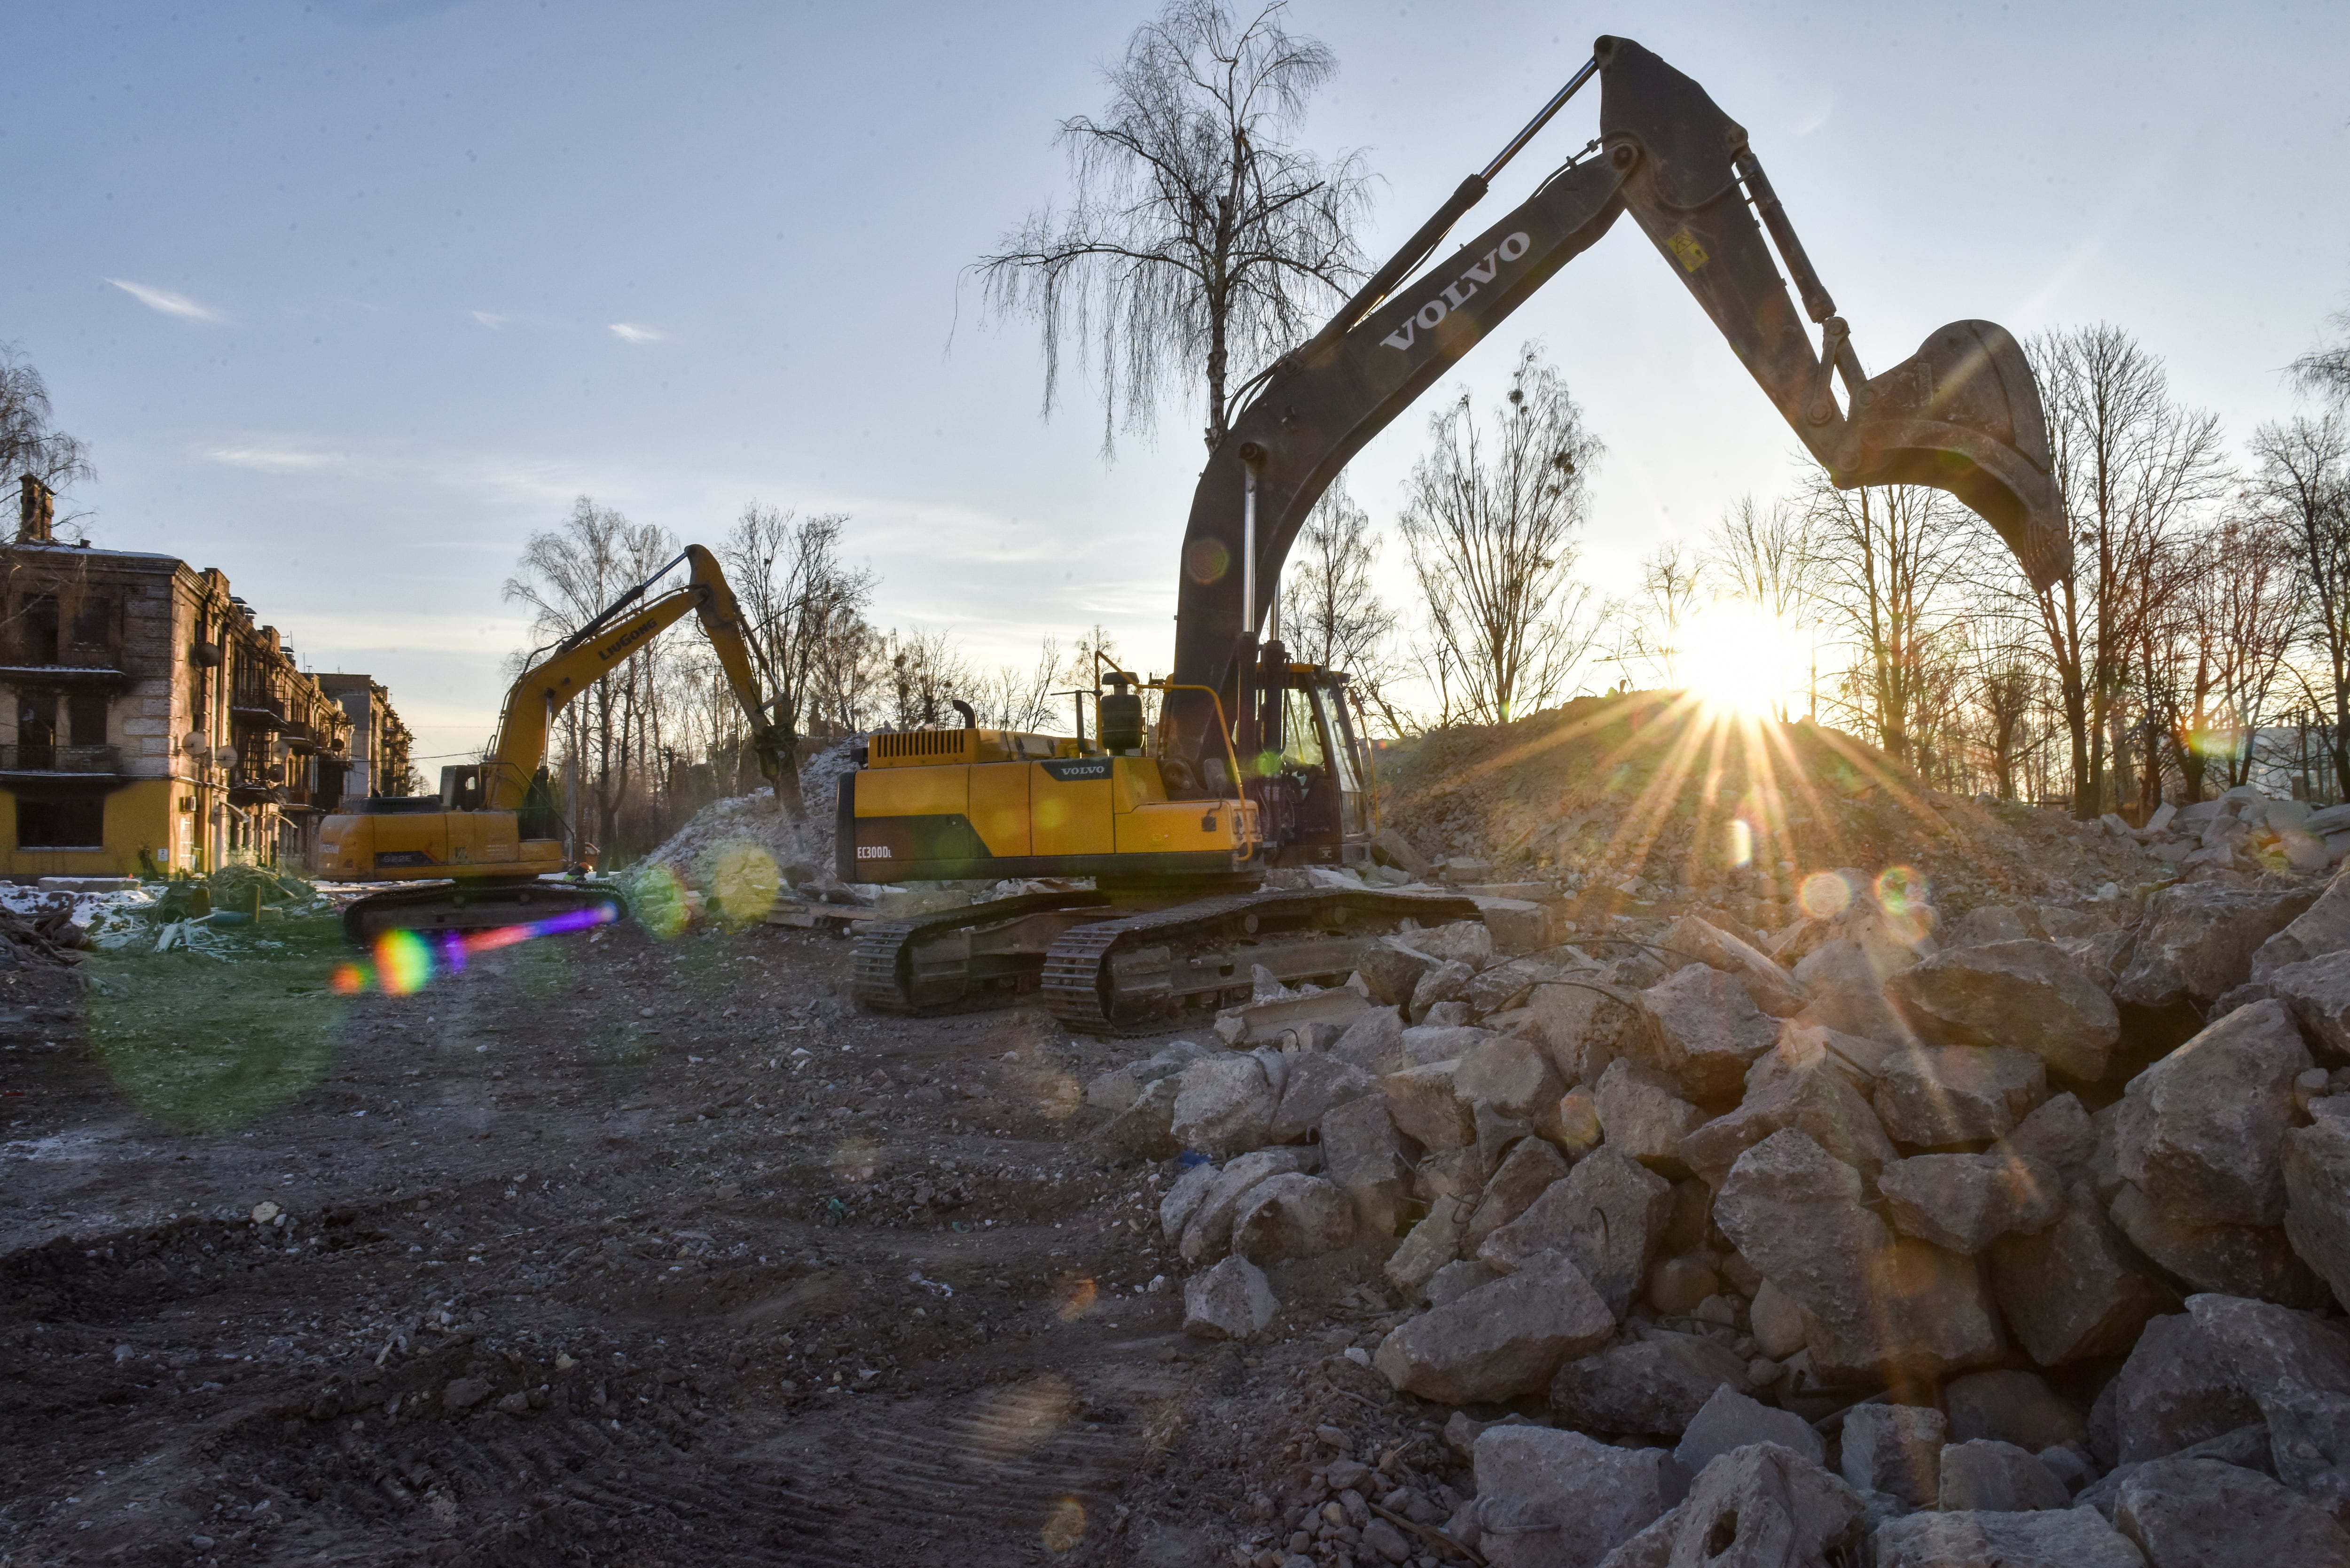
1741	842
1823	894
661	902
403	965
1902	890
1064	1527
407	961
1738	659
743	880
1074	1298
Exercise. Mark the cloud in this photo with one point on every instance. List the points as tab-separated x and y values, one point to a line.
273	460
493	320
164	300
629	332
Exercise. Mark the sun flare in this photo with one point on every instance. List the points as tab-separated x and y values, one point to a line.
1736	657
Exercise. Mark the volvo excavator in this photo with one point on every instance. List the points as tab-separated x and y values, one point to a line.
488	850
1255	761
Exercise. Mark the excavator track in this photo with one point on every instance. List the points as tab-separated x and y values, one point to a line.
893	970
1138	973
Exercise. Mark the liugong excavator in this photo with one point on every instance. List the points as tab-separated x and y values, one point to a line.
1254	762
480	853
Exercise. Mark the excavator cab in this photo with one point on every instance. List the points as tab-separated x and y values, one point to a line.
461	787
1309	769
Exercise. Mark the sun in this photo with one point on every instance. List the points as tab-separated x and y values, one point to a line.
1738	659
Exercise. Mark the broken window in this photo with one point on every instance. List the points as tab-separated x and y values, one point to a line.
36	628
61	823
85	719
37	729
93	622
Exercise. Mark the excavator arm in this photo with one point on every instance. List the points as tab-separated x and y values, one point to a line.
602	646
1962	414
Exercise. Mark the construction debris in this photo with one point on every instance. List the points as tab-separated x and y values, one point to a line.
1939	1234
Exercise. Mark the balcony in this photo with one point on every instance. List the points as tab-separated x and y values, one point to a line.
51	762
257	711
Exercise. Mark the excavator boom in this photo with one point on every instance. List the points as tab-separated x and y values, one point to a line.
1962	414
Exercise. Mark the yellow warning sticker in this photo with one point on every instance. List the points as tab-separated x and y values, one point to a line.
1686	251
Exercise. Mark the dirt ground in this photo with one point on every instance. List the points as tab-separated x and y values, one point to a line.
608	1250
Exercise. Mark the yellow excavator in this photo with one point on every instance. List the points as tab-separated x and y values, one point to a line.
1255	761
488	850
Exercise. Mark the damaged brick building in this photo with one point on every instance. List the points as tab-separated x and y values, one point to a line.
150	725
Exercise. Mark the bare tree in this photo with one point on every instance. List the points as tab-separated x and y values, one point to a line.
1491	514
1652	620
804	607
1890	562
566	575
2239	617
2325	369
2133	467
30	443
1762	557
927	673
1331	614
1017	699
2007	691
1198	232
2302	484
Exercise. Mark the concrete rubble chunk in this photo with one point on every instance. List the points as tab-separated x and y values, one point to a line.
1896	1449
1390	971
1571	1122
1457	942
1425	1043
1796	1212
1706	1031
1499	1341
2011	1406
1182	1199
1279	1014
1655	1385
2202	1513
2234	1259
1456	1280
1318	1083
2317	1162
1812	1095
1374	1041
1778	1322
1966	1202
1548	1498
1760	1506
2296	1367
2199	938
2199	1132
2051	1538
1992	923
1772	988
1425	1109
1679	1285
2076	1289
1292	1216
1145	1128
1361	1154
1513	1076
1586	1023
2000	1477
2024	995
1607	1214
1447	979
2317	991
1505	985
2059	1135
1730	1420
1207	1235
2321	929
1525	1173
1429	1245
1924	1312
1934	1095
1846	980
2175	1391
1643	1116
1225	1106
1231	1301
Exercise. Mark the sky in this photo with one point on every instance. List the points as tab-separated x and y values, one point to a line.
349	297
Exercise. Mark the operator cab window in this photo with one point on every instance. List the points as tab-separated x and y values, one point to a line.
1301	732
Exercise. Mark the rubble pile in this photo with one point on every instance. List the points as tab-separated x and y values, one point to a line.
698	853
2015	1237
1648	799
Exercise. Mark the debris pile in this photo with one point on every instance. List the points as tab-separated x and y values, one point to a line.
1650	799
706	851
46	936
2019	1236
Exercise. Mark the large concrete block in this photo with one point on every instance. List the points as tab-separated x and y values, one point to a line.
1708	1030
1559	1500
2024	995
2075	1290
2199	1131
1499	1341
1607	1215
1934	1095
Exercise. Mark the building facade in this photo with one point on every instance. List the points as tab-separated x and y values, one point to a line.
147	725
379	745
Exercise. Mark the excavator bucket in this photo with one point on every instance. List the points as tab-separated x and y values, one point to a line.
1963	414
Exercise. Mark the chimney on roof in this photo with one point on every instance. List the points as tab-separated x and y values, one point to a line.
36	512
